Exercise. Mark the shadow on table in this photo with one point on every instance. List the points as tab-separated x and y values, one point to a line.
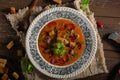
113	75
115	45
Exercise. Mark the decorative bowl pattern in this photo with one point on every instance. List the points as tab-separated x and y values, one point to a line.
57	71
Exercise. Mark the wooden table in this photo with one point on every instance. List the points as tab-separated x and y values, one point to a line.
106	11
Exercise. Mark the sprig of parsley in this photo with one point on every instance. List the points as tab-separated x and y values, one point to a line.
59	49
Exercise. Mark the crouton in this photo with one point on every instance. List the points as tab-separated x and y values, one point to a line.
15	75
12	10
10	45
3	62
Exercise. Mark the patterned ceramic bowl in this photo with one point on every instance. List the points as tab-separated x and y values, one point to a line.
58	71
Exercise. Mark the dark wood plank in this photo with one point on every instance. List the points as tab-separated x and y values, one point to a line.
18	4
112	58
110	25
109	8
5	4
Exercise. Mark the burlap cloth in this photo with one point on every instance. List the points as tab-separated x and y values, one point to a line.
98	64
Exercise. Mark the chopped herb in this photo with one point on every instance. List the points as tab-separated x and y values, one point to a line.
55	51
60	45
59	49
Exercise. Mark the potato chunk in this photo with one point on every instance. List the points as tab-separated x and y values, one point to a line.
51	33
72	44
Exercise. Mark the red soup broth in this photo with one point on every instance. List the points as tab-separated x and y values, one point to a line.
61	42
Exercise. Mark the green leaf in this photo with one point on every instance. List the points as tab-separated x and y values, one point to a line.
26	65
60	45
55	51
62	51
29	67
59	49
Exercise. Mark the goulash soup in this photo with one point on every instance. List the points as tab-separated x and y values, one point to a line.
61	42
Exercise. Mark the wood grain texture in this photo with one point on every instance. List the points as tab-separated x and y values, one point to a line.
106	11
107	8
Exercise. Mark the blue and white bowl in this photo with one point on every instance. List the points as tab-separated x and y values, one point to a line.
58	71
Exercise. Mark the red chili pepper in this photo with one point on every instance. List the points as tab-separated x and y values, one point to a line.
99	24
